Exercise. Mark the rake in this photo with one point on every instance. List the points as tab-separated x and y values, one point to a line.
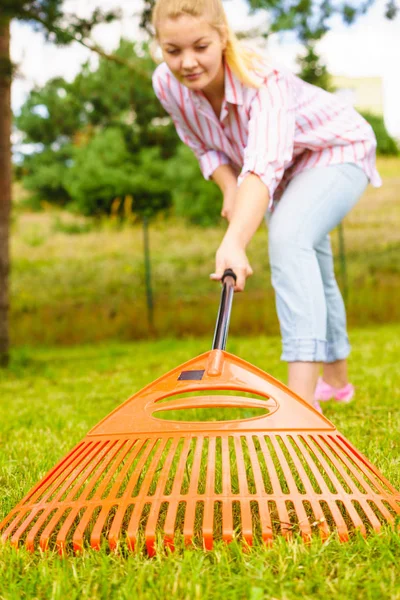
140	475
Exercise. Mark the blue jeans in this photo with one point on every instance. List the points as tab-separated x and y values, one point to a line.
309	304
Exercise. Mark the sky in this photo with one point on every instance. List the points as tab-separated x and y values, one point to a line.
368	48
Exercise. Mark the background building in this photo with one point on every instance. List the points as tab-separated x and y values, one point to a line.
364	93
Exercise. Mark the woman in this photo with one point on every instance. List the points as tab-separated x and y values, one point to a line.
274	145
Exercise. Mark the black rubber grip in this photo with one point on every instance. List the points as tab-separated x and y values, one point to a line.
229	273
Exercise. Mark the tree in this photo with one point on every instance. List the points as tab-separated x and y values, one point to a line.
46	16
70	125
313	70
106	177
102	148
195	199
5	184
308	18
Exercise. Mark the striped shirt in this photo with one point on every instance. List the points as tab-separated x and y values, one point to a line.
276	131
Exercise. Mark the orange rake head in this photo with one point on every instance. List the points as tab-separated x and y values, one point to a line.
137	475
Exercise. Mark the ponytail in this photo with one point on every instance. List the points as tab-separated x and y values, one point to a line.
241	60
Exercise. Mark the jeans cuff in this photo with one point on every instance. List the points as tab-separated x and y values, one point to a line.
304	350
337	350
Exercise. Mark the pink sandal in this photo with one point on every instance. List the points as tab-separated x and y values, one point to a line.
317	406
324	392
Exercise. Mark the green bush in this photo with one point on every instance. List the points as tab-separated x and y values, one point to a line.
111	114
45	176
197	200
386	144
104	174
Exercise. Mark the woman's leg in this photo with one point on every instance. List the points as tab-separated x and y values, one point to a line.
338	347
303	377
314	202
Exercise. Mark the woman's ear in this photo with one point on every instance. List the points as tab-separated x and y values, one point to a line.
224	39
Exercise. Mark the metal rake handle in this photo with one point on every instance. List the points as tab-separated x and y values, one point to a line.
224	313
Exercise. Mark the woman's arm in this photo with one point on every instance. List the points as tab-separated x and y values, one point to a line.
268	153
226	179
251	203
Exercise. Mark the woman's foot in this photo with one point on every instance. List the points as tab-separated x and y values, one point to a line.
324	392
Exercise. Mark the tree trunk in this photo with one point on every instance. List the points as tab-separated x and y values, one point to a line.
5	184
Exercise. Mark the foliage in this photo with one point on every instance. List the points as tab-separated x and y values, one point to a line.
72	124
105	176
310	19
128	98
49	121
110	148
313	70
49	17
51	114
44	174
387	146
197	200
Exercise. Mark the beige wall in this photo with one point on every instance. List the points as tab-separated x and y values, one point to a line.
365	93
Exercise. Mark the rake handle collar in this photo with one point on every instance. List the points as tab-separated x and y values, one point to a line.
224	312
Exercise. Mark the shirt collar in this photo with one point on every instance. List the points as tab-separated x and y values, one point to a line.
233	87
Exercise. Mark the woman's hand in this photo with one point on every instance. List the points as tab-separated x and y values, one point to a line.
228	203
250	203
231	255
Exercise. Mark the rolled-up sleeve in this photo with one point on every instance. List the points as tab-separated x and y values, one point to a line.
209	158
210	161
269	149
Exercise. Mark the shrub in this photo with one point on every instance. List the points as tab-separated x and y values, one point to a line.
45	176
197	200
386	144
105	174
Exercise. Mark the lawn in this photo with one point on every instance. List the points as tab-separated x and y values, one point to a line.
51	397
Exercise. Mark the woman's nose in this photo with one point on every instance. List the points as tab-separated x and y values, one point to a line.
188	61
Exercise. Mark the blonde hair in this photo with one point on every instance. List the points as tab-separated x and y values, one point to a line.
241	60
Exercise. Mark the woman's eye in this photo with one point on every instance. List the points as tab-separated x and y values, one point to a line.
172	52
201	48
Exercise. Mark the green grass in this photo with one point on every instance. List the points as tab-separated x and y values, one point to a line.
69	274
51	397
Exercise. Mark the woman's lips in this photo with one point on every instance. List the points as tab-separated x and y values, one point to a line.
192	76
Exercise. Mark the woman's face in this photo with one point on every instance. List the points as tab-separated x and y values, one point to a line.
192	50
